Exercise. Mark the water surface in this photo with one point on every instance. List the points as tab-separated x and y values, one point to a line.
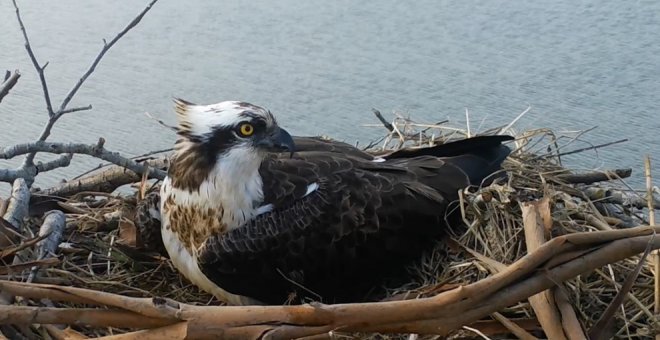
320	66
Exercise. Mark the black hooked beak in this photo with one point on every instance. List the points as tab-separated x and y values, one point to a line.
281	140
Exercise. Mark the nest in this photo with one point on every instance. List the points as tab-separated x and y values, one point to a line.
102	250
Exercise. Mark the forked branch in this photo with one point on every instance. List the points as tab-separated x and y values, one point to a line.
27	169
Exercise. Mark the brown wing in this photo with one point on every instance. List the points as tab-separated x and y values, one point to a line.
361	227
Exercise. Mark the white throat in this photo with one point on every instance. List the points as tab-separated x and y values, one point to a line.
233	187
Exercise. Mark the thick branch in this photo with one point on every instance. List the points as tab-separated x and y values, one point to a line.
9	175
77	316
102	181
51	232
9	83
17	209
96	151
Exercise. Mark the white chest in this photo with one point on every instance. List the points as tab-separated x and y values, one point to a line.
184	256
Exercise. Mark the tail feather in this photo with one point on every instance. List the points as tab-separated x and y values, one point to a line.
478	158
474	145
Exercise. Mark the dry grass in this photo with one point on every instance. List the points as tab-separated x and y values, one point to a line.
101	250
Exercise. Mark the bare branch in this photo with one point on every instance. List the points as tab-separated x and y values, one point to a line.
106	47
9	83
75	109
94	150
40	69
54	116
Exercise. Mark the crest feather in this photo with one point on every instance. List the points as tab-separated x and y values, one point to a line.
182	108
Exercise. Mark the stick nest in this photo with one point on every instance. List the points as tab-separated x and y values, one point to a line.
103	250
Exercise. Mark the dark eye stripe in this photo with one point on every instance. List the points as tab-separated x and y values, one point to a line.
259	124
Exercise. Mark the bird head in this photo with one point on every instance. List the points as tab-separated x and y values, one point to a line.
231	124
238	133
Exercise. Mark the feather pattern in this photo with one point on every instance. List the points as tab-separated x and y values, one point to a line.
329	223
360	228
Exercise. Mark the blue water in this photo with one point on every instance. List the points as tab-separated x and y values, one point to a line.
321	66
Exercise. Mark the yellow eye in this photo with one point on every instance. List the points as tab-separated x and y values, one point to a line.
247	129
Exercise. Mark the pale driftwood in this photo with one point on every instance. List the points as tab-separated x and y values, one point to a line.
435	315
102	181
94	150
17	209
594	176
51	231
536	215
9	83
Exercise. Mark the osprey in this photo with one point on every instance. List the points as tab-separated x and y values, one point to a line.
253	215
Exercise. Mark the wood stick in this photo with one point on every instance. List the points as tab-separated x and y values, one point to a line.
77	316
609	253
594	176
384	121
534	216
569	319
436	315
